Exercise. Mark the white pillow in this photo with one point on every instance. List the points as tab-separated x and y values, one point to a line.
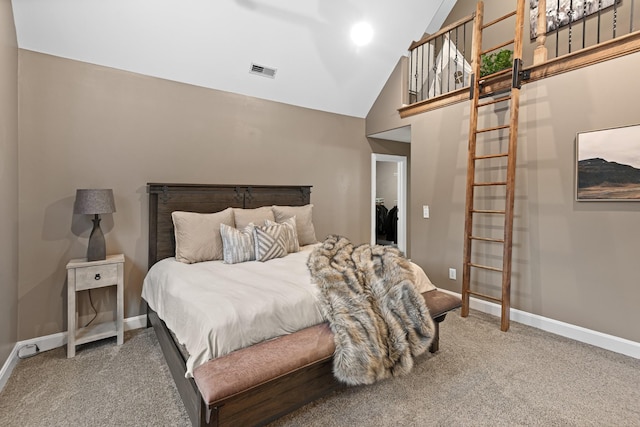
422	281
198	235
258	216
304	221
237	245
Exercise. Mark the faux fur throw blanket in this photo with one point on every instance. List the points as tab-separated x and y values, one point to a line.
379	319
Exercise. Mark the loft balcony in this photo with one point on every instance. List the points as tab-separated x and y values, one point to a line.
570	35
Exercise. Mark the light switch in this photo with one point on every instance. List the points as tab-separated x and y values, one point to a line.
425	211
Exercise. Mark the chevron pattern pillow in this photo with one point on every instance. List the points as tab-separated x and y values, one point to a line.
291	233
270	242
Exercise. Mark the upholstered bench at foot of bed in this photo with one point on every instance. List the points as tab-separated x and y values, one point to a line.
439	304
258	384
279	375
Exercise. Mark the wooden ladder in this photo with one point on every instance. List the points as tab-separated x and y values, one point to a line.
497	206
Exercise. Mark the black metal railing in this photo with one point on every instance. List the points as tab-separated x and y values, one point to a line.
572	25
440	63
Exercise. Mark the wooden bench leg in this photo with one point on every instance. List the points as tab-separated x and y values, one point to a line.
439	304
435	344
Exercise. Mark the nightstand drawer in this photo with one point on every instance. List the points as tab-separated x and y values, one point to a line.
96	276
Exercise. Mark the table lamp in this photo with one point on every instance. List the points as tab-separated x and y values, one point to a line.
95	202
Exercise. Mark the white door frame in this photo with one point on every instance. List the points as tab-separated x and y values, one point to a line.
401	162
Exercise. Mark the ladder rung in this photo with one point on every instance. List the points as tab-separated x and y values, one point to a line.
485	296
488	184
487	211
507	43
492	129
495	101
485	267
496	74
494	93
502	18
487	239
491	156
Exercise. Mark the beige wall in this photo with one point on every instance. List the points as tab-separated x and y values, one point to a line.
88	126
8	181
381	117
574	262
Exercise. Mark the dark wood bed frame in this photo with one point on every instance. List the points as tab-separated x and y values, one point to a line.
274	399
261	405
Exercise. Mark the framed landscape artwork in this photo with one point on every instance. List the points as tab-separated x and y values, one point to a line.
562	12
608	164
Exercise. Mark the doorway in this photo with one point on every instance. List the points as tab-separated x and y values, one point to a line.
389	192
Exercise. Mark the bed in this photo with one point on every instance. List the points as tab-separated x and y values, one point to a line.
273	398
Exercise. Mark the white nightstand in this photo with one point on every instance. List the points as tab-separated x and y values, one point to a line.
83	275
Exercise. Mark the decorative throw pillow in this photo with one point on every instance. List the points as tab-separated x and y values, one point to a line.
291	233
270	241
257	216
198	235
422	282
237	245
304	221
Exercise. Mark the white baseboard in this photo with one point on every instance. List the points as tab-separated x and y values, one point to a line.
8	366
137	322
49	342
578	333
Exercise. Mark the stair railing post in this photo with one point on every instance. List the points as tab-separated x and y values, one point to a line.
540	52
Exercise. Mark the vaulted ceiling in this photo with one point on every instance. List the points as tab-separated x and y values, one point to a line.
213	43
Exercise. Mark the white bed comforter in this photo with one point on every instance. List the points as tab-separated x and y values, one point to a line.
215	308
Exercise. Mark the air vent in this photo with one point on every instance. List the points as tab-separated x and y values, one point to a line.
263	71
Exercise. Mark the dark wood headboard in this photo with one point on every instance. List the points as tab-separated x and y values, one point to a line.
205	198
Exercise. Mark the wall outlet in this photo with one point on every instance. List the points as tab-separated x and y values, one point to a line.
28	350
452	273
425	211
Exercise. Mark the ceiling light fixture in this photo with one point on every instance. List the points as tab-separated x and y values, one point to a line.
361	33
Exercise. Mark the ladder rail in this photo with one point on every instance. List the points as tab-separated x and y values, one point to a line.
473	124
511	176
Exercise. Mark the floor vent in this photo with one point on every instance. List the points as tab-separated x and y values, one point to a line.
263	71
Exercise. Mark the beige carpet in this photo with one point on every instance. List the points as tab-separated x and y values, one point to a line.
103	385
480	377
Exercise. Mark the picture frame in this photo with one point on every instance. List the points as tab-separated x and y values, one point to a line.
561	13
608	164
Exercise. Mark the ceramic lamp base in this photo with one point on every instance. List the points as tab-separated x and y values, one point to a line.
97	250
